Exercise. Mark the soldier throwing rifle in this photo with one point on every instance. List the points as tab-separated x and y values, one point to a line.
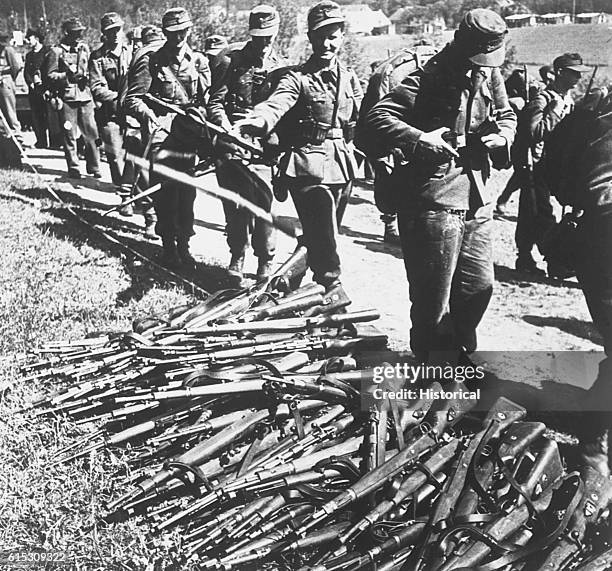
242	79
320	100
181	76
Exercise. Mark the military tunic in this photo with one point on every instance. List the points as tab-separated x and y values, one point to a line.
66	73
182	79
108	81
241	80
314	110
10	66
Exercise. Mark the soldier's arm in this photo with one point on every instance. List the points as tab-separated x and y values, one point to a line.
27	76
389	121
218	93
504	114
283	98
15	62
357	91
97	82
139	83
53	75
204	81
542	117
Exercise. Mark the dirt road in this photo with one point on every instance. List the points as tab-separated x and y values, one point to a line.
524	315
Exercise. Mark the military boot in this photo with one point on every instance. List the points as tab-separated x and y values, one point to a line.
184	253
150	221
391	235
526	263
170	257
236	265
264	268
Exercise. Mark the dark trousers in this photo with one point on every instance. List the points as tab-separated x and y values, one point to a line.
316	208
80	114
174	202
535	214
111	135
38	106
8	102
132	143
514	183
449	264
253	183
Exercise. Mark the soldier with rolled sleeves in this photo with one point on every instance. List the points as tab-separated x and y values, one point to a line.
319	102
10	66
241	80
447	118
181	76
108	68
66	73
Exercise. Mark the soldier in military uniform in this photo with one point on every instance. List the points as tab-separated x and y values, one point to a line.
10	66
239	82
318	102
65	72
136	135
181	76
215	47
108	67
440	119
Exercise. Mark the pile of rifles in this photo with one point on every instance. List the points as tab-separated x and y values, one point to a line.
243	422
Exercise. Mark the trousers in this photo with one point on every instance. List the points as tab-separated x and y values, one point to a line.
448	257
38	106
112	138
76	115
8	102
253	183
317	207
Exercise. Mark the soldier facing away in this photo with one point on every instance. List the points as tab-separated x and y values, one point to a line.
318	103
108	68
65	73
447	119
179	75
242	79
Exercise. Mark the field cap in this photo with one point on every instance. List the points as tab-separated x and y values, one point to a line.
73	25
214	45
481	33
546	71
263	21
150	34
110	20
570	61
176	19
323	14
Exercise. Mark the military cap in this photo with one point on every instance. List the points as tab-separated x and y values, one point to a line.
176	19
545	72
481	33
263	21
323	14
150	34
110	20
73	25
214	45
570	61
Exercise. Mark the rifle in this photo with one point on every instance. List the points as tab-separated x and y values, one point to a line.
590	84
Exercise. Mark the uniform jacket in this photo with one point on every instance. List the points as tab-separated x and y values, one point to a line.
10	62
308	94
108	79
62	64
438	96
159	77
239	82
33	67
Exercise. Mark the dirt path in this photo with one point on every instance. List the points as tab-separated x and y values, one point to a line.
524	314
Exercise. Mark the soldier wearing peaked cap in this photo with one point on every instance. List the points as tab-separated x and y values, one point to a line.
179	75
318	103
108	68
66	73
243	78
447	119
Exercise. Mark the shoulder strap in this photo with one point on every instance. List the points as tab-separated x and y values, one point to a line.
337	99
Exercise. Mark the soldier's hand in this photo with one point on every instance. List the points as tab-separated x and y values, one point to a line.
151	118
493	141
254	126
434	143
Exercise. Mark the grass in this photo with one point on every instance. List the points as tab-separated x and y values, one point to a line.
59	283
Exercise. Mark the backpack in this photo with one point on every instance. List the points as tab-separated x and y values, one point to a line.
389	74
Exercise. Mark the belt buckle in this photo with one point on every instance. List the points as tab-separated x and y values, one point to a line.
335	133
461	141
